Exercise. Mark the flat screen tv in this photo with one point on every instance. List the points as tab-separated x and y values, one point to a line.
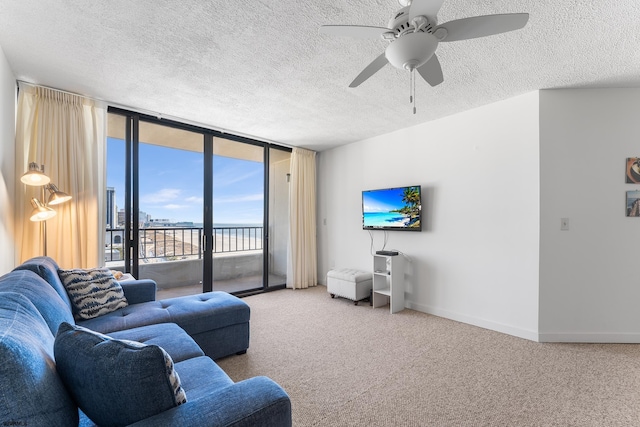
392	209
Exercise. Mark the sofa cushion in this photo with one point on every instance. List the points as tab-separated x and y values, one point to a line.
171	337
116	382
47	268
193	313
201	376
93	292
52	308
31	392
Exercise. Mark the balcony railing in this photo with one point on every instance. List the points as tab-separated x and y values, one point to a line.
171	243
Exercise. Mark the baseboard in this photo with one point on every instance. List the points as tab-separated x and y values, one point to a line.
591	337
482	323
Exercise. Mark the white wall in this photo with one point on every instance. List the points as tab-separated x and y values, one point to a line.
589	281
477	258
7	162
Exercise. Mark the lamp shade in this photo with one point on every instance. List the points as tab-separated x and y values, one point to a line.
40	212
34	176
56	197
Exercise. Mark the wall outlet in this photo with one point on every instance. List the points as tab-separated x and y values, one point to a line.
564	224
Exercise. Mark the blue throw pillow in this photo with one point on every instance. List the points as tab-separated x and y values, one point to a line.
116	382
93	292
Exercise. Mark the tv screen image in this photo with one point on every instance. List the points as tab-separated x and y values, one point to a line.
392	209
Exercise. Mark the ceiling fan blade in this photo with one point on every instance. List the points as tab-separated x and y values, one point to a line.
431	71
356	31
428	8
370	70
482	26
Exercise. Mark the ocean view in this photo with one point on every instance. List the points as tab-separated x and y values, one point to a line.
227	225
380	219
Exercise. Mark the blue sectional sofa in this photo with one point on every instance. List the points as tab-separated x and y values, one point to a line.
49	361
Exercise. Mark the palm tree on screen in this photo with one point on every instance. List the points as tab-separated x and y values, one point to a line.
411	199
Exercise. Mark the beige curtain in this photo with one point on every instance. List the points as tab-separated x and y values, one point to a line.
67	134
302	263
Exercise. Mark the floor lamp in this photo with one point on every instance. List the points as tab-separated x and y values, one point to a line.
41	211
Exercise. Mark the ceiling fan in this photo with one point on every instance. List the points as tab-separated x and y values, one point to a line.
413	34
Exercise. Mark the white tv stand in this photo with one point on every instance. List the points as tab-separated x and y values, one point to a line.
388	282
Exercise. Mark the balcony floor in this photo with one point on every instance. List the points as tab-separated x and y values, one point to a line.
232	285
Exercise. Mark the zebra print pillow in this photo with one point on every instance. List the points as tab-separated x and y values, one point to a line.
92	292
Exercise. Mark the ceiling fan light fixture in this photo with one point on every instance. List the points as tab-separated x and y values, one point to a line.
413	35
411	50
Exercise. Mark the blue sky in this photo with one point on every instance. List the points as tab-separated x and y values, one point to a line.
171	184
382	200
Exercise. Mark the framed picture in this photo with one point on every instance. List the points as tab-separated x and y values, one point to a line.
633	203
633	170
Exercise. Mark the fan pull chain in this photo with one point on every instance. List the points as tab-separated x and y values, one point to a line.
412	88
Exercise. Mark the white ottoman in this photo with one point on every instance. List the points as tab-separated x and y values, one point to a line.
349	283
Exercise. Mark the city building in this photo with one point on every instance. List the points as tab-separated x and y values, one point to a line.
111	208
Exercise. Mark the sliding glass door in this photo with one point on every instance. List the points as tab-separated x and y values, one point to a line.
170	200
163	221
210	210
238	215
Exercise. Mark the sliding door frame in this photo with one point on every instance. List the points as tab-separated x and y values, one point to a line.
207	244
135	182
127	198
132	228
265	222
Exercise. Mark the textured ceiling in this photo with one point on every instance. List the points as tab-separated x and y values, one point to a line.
262	69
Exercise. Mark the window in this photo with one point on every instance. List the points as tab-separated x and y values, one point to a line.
201	200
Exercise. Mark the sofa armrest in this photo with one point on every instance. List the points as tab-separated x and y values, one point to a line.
137	291
255	402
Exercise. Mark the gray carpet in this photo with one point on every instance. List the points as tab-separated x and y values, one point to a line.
346	365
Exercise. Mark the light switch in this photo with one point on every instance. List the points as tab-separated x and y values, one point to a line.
564	224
